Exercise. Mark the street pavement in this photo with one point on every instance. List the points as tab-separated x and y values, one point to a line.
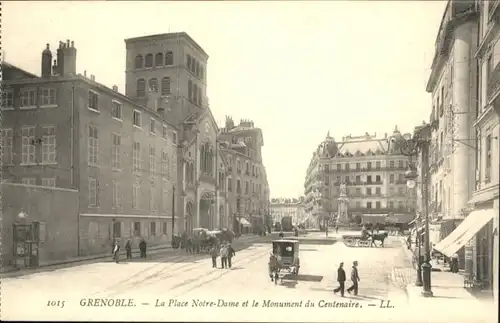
178	281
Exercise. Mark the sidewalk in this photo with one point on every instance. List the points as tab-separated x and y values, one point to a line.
7	272
449	294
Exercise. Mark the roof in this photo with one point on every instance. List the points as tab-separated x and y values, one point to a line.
8	65
286	240
166	36
376	146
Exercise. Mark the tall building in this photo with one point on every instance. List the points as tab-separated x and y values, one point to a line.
372	171
464	86
247	186
453	86
485	196
68	131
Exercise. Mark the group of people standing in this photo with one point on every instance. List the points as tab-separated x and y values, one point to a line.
226	253
341	278
128	249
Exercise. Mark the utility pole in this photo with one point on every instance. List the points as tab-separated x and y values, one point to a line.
426	266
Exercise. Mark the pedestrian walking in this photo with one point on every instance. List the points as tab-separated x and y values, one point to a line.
223	255
116	252
214	253
354	279
341	279
454	263
142	248
230	254
336	229
128	249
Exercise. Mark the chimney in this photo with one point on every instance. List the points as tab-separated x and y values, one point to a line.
92	77
385	135
54	68
85	73
46	62
66	58
115	88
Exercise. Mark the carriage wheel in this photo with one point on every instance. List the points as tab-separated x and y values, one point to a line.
349	242
363	243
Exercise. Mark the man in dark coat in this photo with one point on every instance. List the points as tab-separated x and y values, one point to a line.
142	248
230	254
128	249
354	279
341	279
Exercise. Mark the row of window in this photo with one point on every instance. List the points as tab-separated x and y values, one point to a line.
194	67
368	191
378	205
160	60
116	154
139	196
31	98
369	165
135	227
28	145
117	113
46	181
166	86
253	171
369	179
256	187
157	60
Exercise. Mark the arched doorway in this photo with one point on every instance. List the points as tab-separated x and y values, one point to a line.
188	220
206	211
222	223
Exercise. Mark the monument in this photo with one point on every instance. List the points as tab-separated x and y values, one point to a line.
343	203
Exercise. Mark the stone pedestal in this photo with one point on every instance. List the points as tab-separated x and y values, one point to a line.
342	217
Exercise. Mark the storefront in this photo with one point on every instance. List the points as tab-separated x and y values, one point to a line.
485	246
466	234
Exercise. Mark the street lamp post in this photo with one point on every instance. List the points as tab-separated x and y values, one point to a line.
411	176
411	147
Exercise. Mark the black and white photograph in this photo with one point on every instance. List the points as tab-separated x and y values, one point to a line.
250	161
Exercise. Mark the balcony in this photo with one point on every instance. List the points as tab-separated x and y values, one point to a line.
494	84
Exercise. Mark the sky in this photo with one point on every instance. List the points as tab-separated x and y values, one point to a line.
297	69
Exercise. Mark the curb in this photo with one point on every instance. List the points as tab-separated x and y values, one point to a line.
41	268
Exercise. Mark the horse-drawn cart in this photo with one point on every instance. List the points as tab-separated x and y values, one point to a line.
284	260
357	239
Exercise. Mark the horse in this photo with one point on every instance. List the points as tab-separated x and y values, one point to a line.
379	237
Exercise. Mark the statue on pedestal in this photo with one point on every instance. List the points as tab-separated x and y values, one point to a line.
343	202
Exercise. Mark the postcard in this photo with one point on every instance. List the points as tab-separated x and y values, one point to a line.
329	161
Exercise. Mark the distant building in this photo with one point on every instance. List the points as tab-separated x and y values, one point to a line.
288	207
372	170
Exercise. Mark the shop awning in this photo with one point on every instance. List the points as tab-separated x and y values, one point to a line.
465	231
244	222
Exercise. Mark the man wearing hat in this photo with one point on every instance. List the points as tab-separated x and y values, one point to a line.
341	280
354	278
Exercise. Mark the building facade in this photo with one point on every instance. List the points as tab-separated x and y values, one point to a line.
286	207
247	186
485	196
372	171
68	131
464	120
147	164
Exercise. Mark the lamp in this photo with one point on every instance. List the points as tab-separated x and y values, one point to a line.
22	215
